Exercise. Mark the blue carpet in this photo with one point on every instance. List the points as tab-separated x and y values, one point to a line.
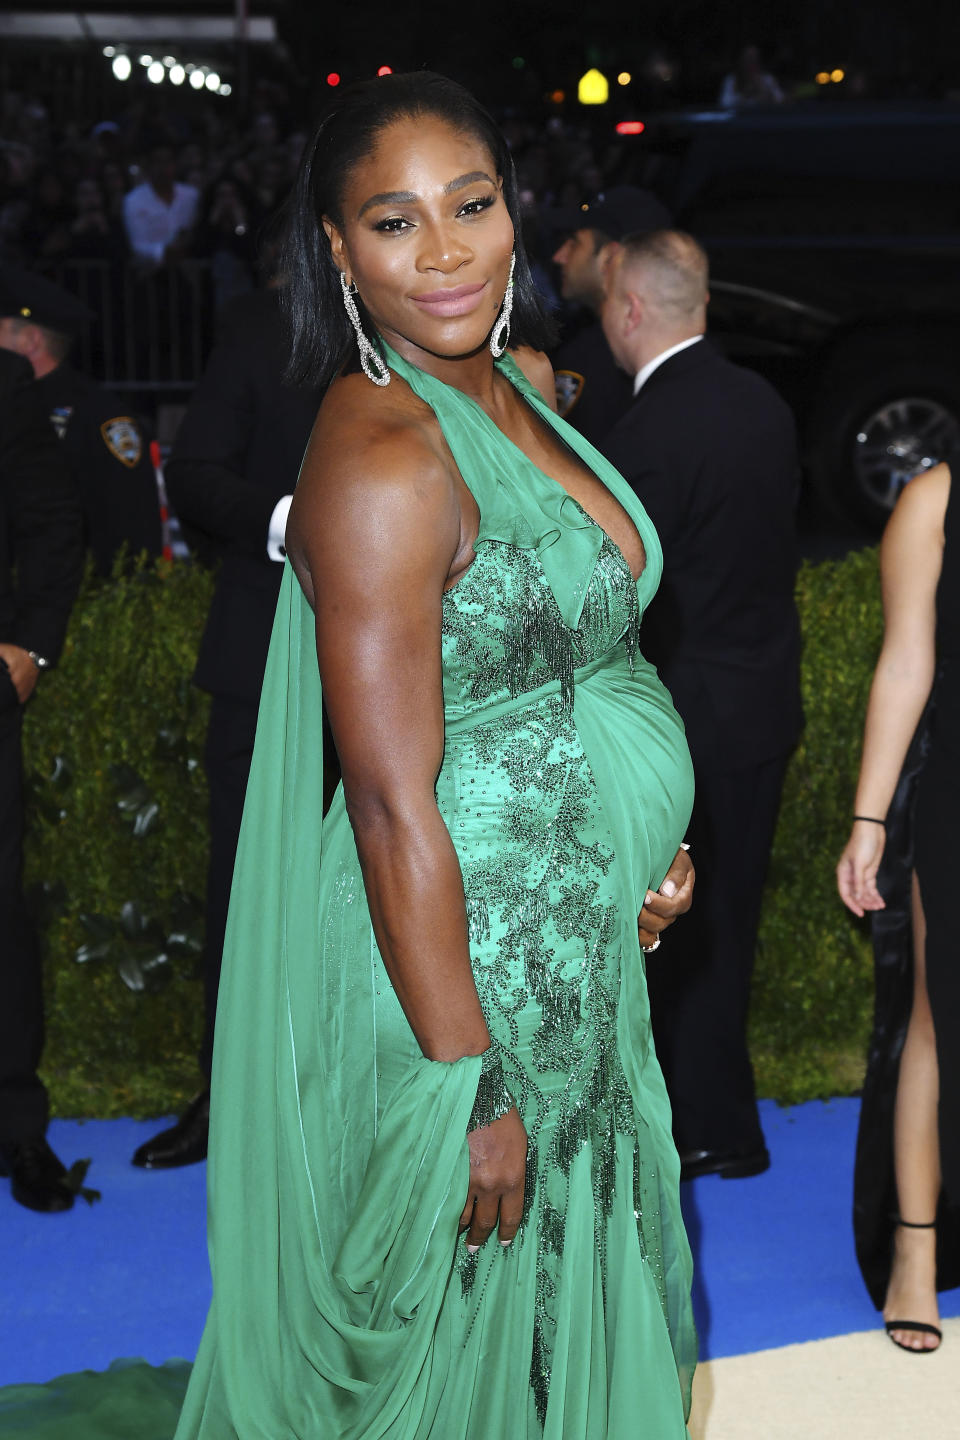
128	1276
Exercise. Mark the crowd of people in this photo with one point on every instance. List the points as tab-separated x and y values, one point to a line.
464	563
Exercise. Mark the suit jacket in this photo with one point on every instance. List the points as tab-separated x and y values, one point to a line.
41	547
238	452
710	449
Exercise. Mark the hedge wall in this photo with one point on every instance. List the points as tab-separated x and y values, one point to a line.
116	850
116	853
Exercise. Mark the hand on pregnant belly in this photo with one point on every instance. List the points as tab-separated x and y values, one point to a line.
674	898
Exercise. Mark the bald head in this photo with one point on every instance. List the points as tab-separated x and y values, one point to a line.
656	296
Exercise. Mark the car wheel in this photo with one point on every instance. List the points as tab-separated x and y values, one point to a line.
873	431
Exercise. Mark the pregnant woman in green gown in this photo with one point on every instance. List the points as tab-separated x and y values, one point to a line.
444	1196
443	1190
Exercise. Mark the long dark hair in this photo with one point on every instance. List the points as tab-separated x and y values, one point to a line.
322	338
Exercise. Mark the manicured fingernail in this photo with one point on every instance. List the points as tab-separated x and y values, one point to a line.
504	1243
647	898
668	888
473	1249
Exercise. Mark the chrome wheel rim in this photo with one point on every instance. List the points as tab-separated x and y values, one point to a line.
898	441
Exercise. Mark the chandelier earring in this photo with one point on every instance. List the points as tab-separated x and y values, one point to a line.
500	334
374	366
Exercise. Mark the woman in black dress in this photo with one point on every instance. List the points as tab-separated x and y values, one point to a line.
898	865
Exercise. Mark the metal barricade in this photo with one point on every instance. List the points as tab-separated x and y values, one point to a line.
152	328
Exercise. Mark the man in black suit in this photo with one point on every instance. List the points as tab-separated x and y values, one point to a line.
710	449
230	480
41	559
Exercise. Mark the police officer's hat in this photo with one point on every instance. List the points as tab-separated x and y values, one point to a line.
621	210
27	296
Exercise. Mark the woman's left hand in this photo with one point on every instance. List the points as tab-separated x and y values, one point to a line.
674	898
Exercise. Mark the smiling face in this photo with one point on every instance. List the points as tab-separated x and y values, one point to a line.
427	239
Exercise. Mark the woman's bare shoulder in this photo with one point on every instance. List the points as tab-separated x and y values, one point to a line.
376	463
368	434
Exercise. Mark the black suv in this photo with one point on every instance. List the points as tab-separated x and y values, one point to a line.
834	238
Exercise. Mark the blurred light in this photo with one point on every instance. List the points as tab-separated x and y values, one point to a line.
823	78
146	59
109	51
518	62
121	67
384	70
836	76
169	60
624	77
155	73
212	81
196	79
593	89
225	89
630	127
177	75
333	78
558	96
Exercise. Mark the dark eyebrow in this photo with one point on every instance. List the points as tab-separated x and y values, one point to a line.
407	197
463	180
388	197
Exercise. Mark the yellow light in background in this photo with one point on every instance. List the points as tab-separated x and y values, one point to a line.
836	76
823	78
593	89
624	77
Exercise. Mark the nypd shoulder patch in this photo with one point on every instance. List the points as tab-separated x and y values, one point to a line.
569	389
123	439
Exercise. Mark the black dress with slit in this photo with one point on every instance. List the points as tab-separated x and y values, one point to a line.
922	835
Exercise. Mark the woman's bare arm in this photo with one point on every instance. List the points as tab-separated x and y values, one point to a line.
376	524
911	558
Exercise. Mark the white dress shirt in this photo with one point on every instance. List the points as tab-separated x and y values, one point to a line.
642	376
151	223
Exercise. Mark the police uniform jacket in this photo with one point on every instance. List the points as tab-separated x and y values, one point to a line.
592	392
110	461
237	453
41	551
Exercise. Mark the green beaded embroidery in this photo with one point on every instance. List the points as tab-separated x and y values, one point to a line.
493	1098
542	913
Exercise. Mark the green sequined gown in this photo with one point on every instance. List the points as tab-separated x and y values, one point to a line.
345	1308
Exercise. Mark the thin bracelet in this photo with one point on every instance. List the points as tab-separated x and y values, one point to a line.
871	820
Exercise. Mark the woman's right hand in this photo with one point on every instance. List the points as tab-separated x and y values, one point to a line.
858	866
498	1163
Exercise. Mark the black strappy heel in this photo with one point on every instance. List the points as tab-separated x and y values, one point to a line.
918	1326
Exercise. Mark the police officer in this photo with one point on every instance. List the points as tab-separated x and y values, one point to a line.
592	393
41	558
103	442
230	478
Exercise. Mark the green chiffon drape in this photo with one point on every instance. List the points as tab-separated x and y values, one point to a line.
345	1307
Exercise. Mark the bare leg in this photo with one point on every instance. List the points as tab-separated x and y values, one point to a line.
911	1292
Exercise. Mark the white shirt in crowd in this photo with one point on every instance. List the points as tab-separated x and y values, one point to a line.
642	376
151	223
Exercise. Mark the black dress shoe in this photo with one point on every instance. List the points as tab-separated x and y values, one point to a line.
728	1164
37	1178
183	1144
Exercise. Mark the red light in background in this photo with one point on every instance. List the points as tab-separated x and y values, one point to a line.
333	78
385	70
630	127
